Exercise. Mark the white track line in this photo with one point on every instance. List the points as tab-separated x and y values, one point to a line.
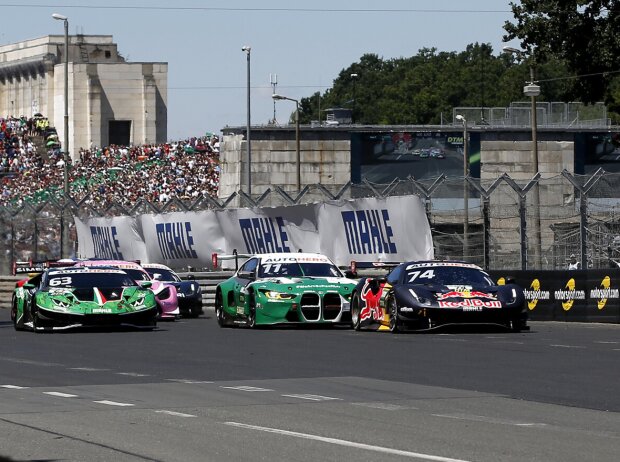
312	397
246	388
188	381
175	414
132	374
350	444
113	403
13	387
566	346
87	369
59	394
492	420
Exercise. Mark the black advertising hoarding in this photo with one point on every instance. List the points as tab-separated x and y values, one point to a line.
579	295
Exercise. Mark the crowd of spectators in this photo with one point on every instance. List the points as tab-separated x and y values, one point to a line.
123	175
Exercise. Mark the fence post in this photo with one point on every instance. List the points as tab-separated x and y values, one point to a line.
522	192
583	209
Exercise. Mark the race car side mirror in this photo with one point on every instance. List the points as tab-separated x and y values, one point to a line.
28	286
146	284
510	280
191	277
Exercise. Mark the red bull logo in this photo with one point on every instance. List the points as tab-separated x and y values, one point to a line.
465	294
469	304
372	309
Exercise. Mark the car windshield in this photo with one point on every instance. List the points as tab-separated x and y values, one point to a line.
90	279
164	274
137	274
446	275
298	269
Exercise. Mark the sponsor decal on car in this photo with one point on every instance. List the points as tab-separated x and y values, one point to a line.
471	303
372	308
102	310
465	294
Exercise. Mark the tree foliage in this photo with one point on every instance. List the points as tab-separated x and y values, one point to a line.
423	89
583	34
572	45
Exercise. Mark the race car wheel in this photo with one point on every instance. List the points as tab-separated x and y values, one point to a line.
393	311
251	321
35	322
355	312
219	310
514	325
14	314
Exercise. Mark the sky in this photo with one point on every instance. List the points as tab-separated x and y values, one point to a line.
306	44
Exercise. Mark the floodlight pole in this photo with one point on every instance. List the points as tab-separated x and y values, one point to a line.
465	189
247	50
65	182
297	135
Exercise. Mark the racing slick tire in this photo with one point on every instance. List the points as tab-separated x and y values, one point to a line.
395	325
355	312
35	322
514	325
14	314
219	310
251	320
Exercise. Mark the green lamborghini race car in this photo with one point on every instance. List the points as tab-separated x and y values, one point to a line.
63	298
284	288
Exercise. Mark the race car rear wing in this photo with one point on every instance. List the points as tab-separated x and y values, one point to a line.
375	265
29	266
215	258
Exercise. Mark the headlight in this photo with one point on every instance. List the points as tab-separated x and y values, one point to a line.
273	295
419	299
164	293
138	303
61	304
513	296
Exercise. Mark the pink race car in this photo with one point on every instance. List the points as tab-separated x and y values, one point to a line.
165	293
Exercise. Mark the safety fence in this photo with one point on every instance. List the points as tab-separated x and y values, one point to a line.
500	223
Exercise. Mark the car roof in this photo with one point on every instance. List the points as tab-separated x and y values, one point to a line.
156	266
117	263
84	270
294	256
454	263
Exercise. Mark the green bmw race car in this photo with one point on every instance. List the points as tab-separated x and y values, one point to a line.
63	298
284	288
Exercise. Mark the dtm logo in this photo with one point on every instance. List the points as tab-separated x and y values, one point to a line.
372	308
105	242
175	240
264	235
368	231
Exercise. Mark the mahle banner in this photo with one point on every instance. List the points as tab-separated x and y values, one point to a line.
365	230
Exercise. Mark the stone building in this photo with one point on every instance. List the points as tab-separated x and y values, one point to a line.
111	101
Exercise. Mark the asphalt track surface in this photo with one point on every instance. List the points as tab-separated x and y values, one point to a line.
191	391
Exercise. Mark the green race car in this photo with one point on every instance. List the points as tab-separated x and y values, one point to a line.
284	288
63	298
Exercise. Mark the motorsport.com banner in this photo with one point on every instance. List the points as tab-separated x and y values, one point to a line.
364	230
591	295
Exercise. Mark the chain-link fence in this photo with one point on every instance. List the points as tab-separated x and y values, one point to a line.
499	224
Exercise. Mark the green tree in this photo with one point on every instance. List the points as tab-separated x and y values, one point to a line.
424	89
582	34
